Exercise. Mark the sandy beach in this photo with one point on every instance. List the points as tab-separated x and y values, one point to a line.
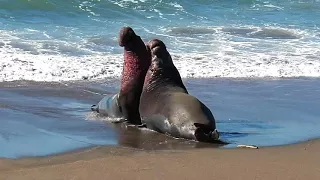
299	161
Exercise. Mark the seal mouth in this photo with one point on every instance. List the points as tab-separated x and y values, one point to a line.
204	133
126	36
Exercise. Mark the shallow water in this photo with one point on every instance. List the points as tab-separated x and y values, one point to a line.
47	118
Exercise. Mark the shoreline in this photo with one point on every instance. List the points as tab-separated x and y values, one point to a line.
117	78
122	148
134	159
62	109
294	160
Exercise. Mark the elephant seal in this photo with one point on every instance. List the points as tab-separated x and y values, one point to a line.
125	104
166	106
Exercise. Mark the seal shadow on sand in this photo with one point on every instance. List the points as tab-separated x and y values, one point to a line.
132	136
142	138
129	135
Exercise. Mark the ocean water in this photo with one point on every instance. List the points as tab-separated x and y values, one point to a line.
53	40
255	63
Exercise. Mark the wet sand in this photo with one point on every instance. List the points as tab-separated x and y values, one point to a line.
298	161
40	119
41	123
43	118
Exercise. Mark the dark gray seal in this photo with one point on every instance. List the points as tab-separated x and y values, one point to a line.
125	104
166	106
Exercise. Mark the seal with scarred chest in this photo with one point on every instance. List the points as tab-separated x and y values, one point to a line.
166	106
125	104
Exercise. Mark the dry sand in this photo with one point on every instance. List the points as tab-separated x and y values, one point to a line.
298	161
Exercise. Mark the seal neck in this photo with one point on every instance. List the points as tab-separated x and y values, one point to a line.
135	67
167	76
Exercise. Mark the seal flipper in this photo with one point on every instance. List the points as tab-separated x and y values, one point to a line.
158	122
142	126
95	108
108	106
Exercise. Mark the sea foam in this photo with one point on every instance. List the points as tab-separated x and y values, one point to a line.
220	64
197	51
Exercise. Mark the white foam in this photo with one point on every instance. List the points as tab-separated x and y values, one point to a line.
237	52
187	130
287	53
19	66
223	63
124	3
176	5
93	116
236	65
273	6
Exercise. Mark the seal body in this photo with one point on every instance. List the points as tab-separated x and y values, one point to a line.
166	106
125	103
109	106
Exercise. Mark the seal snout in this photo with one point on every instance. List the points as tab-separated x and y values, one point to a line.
126	36
204	133
157	47
156	42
